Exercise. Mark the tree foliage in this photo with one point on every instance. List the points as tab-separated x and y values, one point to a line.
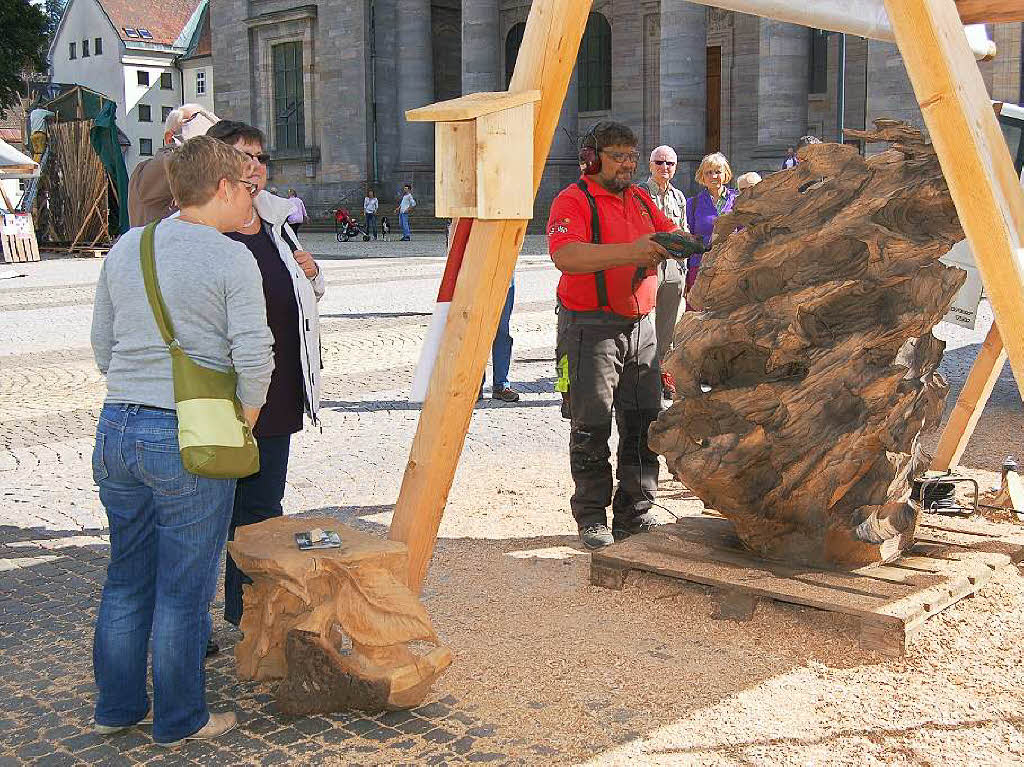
54	10
23	43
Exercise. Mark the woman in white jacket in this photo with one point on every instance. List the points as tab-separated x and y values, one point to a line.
292	285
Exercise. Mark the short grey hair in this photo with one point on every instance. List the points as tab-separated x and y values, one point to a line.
177	117
664	148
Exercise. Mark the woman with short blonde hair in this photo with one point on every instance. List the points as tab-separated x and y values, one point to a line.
167	524
713	174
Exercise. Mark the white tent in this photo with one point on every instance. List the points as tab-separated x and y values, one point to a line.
15	164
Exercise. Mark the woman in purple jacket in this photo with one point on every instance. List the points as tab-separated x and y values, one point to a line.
701	211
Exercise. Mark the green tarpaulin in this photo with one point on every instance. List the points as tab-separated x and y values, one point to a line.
103	136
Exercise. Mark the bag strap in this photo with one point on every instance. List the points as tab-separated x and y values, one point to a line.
600	281
156	300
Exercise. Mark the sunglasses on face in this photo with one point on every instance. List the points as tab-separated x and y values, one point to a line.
262	158
670	163
622	157
249	186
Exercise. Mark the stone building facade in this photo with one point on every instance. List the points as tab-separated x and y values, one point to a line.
329	80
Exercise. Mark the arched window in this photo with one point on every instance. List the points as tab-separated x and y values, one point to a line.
594	65
512	42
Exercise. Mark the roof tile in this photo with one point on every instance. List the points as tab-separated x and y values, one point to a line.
164	19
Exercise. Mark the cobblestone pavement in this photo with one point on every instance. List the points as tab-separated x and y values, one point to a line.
53	544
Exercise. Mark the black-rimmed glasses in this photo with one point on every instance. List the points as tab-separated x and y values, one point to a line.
663	162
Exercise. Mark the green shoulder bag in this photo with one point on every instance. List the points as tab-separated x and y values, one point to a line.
213	437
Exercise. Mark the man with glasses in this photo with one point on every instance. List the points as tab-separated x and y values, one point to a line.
600	234
672	203
149	192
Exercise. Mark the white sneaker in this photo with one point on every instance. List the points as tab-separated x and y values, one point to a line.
106	729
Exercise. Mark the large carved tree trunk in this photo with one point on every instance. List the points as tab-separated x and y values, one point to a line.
810	370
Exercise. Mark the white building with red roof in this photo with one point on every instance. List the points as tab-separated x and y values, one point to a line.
132	52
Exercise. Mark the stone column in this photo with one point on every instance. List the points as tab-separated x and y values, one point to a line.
480	59
782	86
889	92
684	82
415	82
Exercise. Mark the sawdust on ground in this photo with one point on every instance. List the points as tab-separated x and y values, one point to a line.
573	674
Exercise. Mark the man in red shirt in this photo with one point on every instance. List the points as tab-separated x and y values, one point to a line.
600	237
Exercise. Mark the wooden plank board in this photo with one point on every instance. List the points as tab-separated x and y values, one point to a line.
971	402
972	152
473	105
890	601
990	11
546	59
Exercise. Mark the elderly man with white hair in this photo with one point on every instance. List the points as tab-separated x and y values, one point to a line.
672	203
149	192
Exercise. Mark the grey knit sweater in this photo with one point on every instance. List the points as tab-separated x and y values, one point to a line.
214	294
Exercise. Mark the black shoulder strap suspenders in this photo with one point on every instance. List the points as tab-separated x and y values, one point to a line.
600	282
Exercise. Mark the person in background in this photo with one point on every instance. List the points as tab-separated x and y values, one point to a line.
298	216
713	174
149	191
406	204
672	203
37	120
791	160
370	206
292	286
747	180
168	525
501	352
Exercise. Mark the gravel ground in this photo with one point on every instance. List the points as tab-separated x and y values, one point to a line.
554	670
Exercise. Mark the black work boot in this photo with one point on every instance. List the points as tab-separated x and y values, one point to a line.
642	524
595	536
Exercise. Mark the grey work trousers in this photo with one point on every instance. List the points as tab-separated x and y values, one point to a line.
670	295
613	366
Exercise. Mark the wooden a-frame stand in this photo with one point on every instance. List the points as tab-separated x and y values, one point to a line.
971	150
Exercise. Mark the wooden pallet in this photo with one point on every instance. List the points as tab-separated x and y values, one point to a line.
18	238
952	559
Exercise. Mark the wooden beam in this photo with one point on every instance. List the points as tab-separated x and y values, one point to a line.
990	11
545	62
472	106
971	402
972	152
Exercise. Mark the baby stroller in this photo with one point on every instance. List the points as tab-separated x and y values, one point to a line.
346	227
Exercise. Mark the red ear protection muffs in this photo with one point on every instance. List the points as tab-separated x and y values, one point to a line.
590	160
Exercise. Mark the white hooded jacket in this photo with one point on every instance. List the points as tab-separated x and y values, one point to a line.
275	210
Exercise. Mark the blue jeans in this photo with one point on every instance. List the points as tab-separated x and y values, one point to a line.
257	498
403	221
167	530
501	348
371	224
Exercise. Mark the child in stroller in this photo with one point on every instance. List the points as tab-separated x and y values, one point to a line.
346	227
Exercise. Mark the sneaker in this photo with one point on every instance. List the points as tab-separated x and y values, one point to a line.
596	536
212	648
405	239
506	394
642	524
668	386
217	726
106	729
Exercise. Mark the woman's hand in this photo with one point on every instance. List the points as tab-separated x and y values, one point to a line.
250	414
305	260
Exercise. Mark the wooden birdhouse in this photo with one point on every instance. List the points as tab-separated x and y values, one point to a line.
483	154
